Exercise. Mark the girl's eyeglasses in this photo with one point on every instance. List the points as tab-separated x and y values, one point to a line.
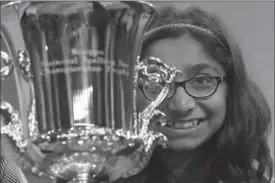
198	87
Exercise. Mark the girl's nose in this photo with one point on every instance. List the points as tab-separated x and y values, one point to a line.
181	102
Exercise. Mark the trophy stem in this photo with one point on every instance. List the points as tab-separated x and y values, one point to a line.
85	178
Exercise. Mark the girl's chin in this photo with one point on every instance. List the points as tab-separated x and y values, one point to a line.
182	145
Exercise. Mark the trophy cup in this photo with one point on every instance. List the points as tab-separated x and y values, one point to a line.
77	118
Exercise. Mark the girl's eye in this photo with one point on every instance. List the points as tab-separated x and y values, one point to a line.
201	80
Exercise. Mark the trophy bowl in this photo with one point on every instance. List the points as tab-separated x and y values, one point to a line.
77	119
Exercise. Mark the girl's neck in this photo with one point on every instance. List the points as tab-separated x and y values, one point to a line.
174	158
180	160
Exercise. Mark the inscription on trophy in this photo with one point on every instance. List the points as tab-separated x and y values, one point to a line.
85	61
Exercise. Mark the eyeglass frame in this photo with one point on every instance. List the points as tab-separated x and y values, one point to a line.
219	79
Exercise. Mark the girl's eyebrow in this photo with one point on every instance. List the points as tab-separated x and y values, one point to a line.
199	67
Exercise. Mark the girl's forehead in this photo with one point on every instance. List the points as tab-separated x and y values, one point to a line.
185	53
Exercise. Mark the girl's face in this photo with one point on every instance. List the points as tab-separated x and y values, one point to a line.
192	121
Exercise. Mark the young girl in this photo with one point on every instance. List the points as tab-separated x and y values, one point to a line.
219	120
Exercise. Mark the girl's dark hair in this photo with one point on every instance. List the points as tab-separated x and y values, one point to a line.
242	140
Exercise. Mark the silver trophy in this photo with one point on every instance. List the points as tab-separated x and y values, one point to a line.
77	118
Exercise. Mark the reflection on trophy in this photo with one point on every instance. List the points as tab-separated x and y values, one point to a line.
80	60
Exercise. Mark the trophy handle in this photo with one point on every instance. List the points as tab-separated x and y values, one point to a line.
152	70
14	127
148	71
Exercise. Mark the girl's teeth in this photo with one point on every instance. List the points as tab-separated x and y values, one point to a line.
184	125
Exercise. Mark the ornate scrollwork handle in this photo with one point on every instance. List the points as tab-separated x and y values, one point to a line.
14	127
153	71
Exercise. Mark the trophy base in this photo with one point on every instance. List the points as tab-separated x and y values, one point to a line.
83	179
89	154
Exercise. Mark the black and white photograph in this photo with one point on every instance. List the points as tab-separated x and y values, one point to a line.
137	91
